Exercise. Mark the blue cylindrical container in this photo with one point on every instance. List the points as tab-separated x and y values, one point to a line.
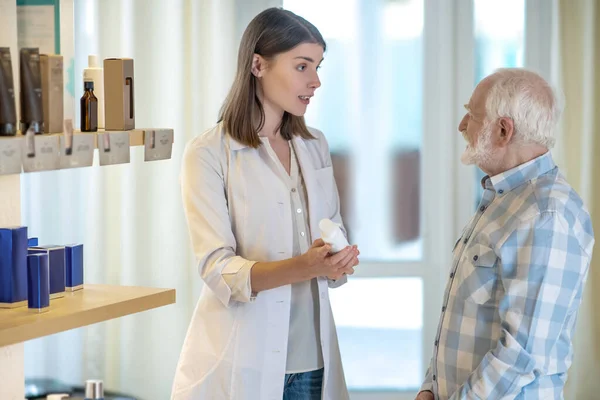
38	282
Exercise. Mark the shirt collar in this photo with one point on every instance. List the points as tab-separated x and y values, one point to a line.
235	145
515	177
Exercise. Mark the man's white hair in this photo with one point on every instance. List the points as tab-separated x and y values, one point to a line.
527	99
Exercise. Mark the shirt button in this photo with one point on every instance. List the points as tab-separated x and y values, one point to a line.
435	343
501	191
434	377
475	257
466	240
301	233
451	275
293	190
443	308
299	211
482	208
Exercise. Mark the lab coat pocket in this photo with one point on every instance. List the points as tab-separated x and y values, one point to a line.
327	183
477	274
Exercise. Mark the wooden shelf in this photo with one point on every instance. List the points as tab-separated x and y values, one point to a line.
92	304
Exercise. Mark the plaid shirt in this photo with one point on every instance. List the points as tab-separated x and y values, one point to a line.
514	290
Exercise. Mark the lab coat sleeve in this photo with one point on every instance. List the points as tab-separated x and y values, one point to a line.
213	242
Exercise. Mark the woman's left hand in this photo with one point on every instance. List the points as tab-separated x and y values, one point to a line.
348	264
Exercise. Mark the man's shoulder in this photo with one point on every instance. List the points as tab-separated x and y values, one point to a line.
551	197
554	195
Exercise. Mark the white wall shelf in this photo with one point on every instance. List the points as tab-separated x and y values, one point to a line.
47	151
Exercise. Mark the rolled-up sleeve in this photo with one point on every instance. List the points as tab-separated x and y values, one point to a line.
240	283
209	225
427	384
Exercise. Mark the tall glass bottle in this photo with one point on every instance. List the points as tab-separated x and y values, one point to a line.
89	109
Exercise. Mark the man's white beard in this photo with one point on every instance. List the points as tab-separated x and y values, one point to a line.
482	152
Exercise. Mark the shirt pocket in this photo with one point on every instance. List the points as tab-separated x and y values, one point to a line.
326	182
478	274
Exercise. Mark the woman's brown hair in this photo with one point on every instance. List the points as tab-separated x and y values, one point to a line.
270	33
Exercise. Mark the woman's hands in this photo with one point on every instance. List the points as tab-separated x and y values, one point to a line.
321	263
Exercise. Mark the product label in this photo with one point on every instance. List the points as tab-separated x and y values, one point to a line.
113	148
45	156
81	152
10	155
158	144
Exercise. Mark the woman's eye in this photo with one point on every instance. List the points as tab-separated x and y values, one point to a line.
301	67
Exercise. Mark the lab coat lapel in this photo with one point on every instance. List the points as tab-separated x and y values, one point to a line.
310	181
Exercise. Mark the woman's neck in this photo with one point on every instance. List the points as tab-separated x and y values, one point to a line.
272	121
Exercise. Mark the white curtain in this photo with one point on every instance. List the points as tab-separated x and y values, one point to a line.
579	60
129	217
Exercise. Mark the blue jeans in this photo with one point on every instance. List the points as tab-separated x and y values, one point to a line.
303	386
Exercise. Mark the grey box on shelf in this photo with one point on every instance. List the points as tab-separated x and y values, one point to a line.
113	147
158	144
10	155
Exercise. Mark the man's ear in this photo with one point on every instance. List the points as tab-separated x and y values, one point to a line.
259	64
506	131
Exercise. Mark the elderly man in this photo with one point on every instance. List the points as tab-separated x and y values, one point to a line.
519	268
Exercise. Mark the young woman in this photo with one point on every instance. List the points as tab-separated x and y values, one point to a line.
254	189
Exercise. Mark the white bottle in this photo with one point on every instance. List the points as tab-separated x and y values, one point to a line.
332	234
95	74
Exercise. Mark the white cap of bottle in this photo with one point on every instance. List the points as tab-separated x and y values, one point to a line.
92	61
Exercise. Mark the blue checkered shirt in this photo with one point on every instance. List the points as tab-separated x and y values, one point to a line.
515	286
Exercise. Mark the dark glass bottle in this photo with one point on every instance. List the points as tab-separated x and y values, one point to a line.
89	109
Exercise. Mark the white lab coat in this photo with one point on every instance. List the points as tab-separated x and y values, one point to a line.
239	212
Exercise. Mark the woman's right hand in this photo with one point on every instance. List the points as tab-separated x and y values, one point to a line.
320	263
